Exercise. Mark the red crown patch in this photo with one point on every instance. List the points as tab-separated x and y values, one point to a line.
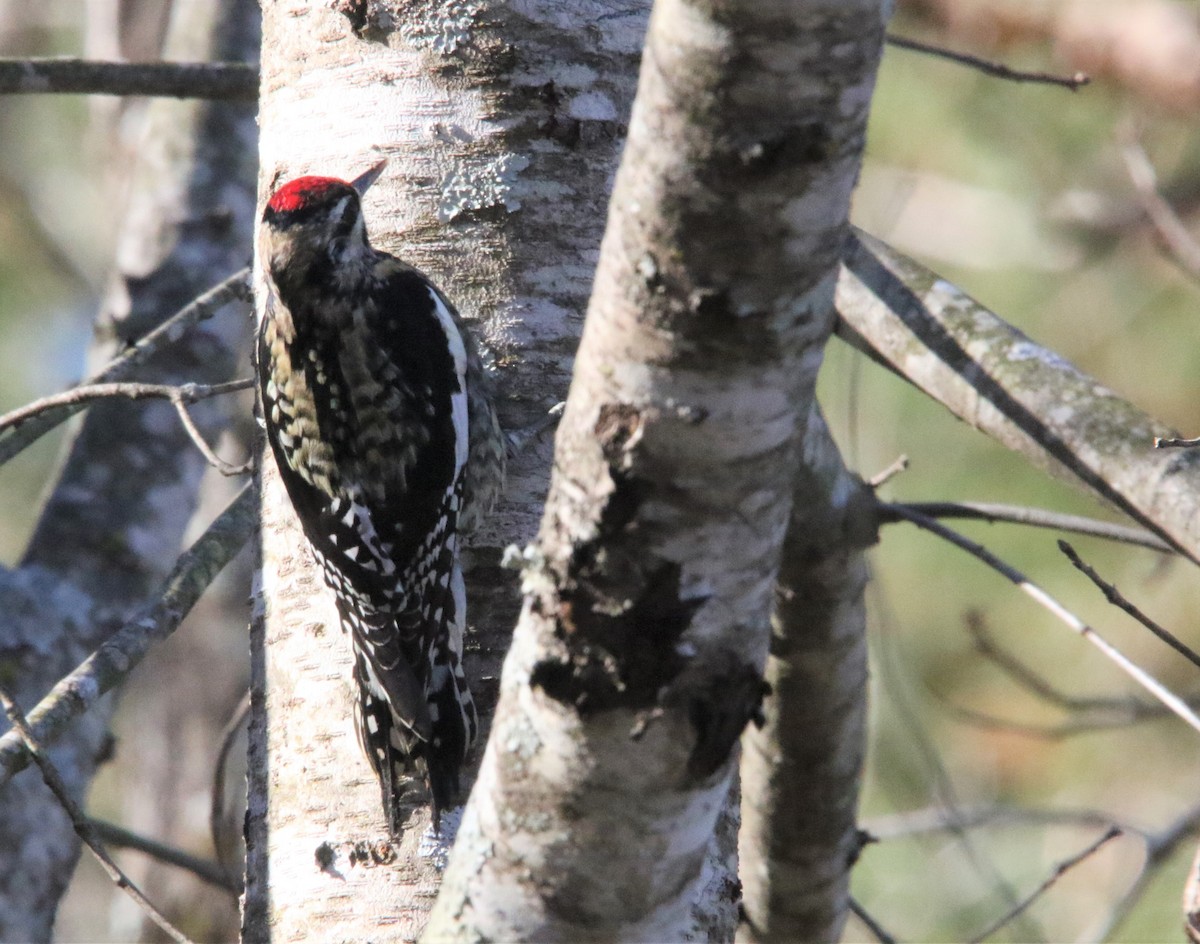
305	191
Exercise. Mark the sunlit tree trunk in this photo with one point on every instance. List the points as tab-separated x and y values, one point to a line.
639	656
502	124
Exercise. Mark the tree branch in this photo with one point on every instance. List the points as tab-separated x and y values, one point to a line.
1139	675
84	394
881	935
1180	244
18	431
1059	871
1029	398
110	663
180	397
203	869
1113	596
996	69
1034	517
935	820
236	81
82	825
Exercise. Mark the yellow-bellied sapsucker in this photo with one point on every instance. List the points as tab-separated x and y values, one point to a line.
377	408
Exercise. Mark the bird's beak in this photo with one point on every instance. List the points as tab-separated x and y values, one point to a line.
364	180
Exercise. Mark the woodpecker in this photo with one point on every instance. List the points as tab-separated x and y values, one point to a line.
378	410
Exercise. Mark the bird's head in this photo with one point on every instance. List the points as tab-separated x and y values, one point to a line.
315	222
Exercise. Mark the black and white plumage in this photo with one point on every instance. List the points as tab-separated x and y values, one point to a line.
378	412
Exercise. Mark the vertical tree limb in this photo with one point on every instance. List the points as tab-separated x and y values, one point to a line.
502	124
638	658
801	770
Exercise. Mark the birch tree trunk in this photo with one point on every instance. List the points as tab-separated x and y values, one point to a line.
639	655
801	770
114	521
502	123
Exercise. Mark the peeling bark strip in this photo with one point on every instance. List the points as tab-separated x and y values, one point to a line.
638	659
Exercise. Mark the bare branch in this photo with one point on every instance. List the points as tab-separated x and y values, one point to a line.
1136	711
937	820
216	809
198	440
872	925
13	439
82	395
1027	397
1160	847
110	663
995	69
1165	442
237	81
83	827
179	397
886	475
203	869
1113	596
1059	871
1034	517
1026	677
1030	589
1181	245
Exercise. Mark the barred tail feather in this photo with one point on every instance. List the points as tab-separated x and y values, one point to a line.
401	718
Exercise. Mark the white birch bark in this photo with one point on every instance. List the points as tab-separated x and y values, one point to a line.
638	658
113	523
502	123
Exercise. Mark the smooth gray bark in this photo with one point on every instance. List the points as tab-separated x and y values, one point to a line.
801	770
502	123
115	520
638	658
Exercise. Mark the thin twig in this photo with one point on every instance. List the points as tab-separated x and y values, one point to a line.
113	660
1121	712
198	440
1059	871
1032	590
1034	517
1013	667
216	809
1113	596
14	439
1163	442
122	838
886	475
926	747
180	397
995	69
87	393
83	827
210	80
934	819
1137	712
872	925
1175	236
1160	847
